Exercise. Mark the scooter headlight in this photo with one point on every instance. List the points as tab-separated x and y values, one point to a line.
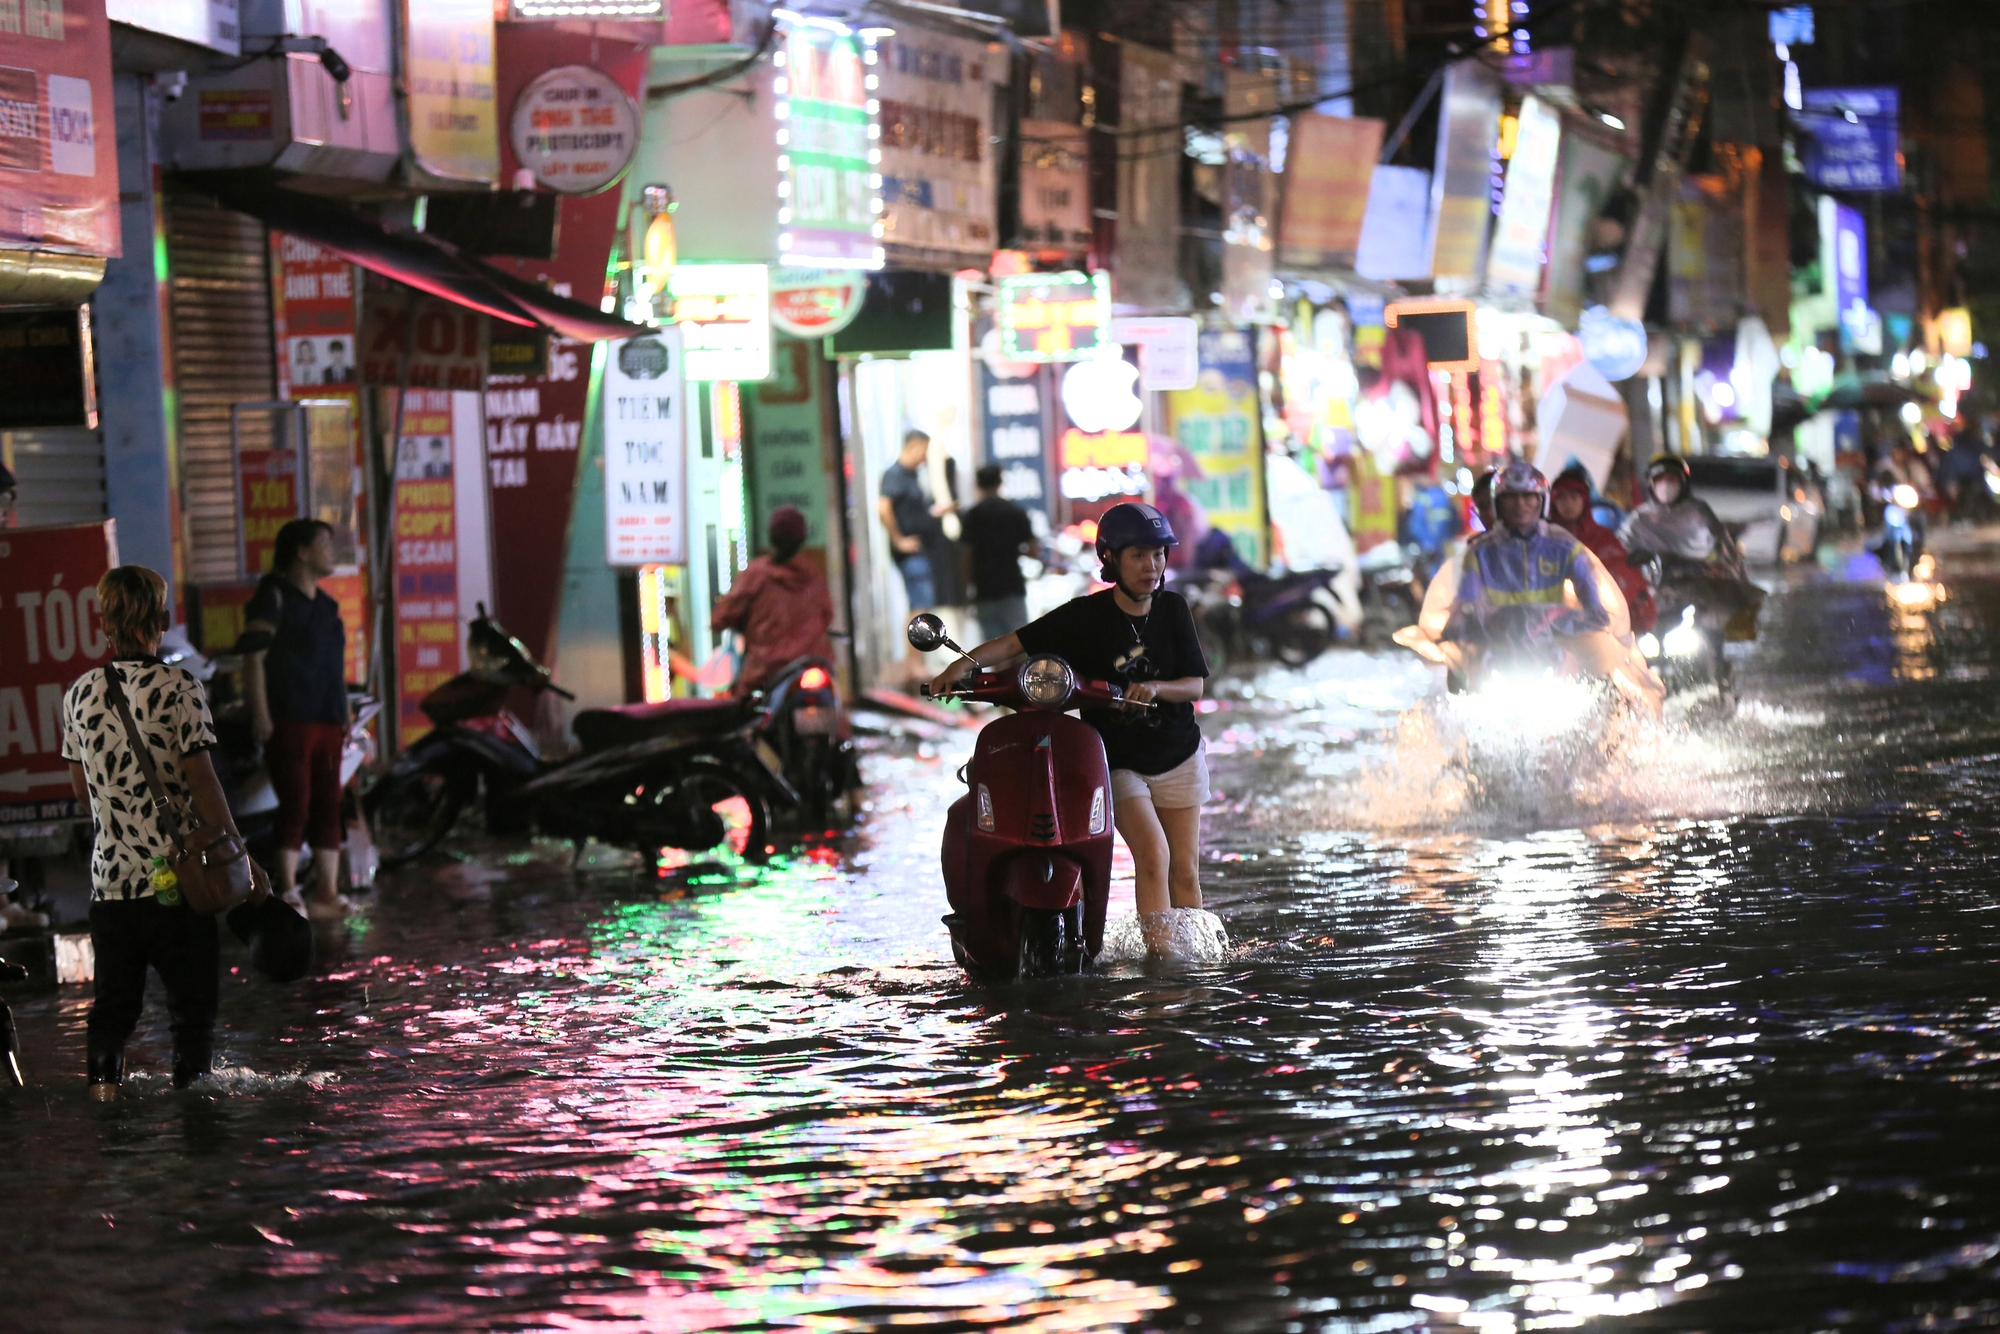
1046	682
1683	641
1649	645
1905	495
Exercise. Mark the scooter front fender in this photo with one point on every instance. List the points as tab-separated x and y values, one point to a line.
1041	880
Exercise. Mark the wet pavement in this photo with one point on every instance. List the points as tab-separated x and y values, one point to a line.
1699	1034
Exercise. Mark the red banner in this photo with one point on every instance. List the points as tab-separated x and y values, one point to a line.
50	634
534	424
426	559
59	189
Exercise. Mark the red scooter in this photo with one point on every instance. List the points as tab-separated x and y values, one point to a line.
1027	849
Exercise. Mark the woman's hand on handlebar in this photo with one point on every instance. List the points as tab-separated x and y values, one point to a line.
1140	694
950	676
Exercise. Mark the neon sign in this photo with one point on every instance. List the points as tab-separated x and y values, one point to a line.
1054	316
829	151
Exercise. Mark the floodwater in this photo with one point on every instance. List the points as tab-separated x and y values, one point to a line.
1699	1036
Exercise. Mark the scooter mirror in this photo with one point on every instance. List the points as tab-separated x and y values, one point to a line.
926	633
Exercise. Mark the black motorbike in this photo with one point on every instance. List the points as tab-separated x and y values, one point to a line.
1696	612
687	773
1241	613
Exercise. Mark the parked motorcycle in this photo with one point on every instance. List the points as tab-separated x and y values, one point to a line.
1027	850
1391	593
686	773
1242	614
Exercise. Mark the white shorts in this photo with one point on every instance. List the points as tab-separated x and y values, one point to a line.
1184	785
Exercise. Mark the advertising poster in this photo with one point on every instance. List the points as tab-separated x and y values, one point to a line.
443	342
454	123
1329	163
425	555
1520	237
1216	422
1147	271
58	163
783	428
1461	185
937	168
1249	199
645	451
1587	174
534	423
52	634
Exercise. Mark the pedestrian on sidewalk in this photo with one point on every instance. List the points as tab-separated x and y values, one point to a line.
297	691
779	605
912	518
998	533
137	917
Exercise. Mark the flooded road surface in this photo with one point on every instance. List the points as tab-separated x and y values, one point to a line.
1699	1037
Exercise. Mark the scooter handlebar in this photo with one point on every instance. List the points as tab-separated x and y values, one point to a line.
1003	688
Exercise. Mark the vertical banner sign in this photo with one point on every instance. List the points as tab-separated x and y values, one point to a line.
937	167
454	124
1589	173
51	634
1850	278
1147	270
1016	421
1520	238
783	429
425	555
645	451
316	331
1461	186
1328	165
829	196
534	422
58	165
1249	199
1395	226
1216	422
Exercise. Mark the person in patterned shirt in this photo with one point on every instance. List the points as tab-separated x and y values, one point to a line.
137	920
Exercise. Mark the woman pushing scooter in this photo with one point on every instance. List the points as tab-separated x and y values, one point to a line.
1136	636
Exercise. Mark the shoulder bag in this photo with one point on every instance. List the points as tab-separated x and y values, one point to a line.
211	863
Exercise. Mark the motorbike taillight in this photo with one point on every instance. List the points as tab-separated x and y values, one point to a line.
814	678
1234	592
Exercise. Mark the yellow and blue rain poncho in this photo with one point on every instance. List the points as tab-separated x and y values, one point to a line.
1511	588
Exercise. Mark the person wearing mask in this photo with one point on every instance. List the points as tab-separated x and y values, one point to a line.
907	512
138	919
1135	635
297	691
998	533
1569	508
1700	563
779	605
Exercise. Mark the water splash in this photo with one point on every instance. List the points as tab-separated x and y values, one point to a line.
1184	935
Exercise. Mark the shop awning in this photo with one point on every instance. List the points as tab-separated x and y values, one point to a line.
421	262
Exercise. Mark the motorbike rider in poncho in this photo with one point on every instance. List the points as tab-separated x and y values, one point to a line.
1699	563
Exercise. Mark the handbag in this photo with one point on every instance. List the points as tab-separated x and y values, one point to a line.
210	863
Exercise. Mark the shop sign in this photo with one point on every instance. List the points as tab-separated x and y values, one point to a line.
1395	226
1104	449
783	427
1015	425
724	314
829	159
1521	235
812	303
1451	342
574	128
424	558
209	23
1168	357
48	365
231	115
444	344
1329	161
53	632
1216	422
1850	273
1616	346
59	189
1054	316
1101	394
645	451
448	53
1854	133
937	164
1461	185
1055	186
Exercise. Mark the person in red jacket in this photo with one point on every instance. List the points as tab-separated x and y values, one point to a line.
1569	506
779	605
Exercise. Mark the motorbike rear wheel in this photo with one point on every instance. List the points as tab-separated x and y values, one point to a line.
1051	942
714	806
1306	633
409	813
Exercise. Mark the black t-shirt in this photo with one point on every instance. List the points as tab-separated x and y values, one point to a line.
305	669
910	501
996	530
1095	636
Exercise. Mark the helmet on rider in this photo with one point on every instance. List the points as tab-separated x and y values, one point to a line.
1669	465
1520	478
1132	524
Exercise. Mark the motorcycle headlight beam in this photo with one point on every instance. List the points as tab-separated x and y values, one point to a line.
1683	641
1046	682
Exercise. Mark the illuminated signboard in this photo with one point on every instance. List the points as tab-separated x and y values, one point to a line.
1450	341
1054	316
724	315
829	153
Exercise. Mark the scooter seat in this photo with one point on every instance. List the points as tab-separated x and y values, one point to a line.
623	724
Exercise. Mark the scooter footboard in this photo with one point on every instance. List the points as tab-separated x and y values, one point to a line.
1041	880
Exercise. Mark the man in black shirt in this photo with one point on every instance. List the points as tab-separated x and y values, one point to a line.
1134	635
998	533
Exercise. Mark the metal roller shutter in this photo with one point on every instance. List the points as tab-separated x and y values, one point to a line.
220	314
60	472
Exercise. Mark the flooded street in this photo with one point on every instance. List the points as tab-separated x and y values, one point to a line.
1701	1036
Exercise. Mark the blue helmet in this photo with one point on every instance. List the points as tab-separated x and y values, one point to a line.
1132	524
